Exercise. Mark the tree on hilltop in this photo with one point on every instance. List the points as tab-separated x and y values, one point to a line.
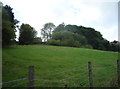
27	34
46	31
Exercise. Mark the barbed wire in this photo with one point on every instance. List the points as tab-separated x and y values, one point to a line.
39	79
13	81
70	77
37	85
19	84
58	80
47	80
62	79
56	73
44	80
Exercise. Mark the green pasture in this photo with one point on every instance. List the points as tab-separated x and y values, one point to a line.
56	66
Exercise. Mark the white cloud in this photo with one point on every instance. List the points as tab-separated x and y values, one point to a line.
98	14
110	33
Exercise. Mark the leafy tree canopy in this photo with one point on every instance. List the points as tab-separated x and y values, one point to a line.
8	26
46	31
27	34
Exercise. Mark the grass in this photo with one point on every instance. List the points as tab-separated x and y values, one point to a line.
54	59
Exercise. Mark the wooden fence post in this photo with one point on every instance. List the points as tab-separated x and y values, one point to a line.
90	74
118	72
31	77
66	86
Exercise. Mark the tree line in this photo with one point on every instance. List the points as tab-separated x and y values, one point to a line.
61	35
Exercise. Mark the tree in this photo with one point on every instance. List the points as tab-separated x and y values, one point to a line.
80	36
60	27
89	35
94	38
27	34
67	38
37	40
115	46
8	26
46	31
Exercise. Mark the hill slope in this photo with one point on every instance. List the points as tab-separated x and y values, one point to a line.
58	65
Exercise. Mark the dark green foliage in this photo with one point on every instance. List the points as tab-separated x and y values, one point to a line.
67	38
115	46
60	27
106	44
37	40
93	37
8	26
27	34
87	36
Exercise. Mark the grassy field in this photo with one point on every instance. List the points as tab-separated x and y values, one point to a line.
57	66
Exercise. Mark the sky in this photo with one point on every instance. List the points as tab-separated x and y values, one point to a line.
102	15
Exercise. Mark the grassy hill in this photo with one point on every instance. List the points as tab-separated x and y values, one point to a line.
57	66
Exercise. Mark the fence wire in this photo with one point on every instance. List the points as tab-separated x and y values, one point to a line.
13	81
82	80
62	80
57	73
16	85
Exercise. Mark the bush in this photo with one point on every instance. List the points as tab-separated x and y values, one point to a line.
37	40
53	42
67	38
87	46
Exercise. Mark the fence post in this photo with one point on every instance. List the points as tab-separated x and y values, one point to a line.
31	77
66	86
118	72
90	74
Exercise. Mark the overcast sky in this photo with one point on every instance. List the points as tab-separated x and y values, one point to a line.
101	15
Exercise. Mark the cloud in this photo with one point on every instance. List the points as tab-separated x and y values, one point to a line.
110	33
98	14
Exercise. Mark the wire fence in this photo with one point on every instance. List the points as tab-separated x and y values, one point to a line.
57	73
14	80
110	69
79	79
45	76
